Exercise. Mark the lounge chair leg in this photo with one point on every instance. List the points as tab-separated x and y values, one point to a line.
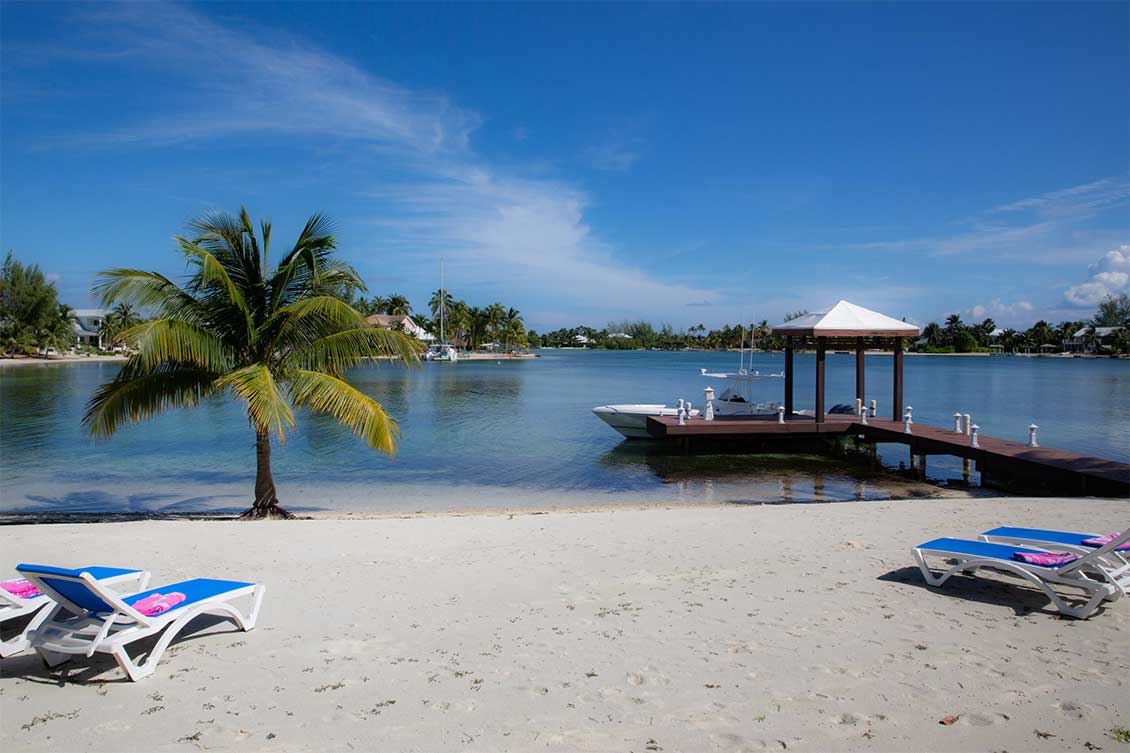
133	670
53	658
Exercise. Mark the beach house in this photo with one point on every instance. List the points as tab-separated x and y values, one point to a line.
88	326
1103	339
402	322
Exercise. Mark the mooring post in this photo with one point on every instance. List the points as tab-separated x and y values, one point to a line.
681	411
1032	435
858	407
957	423
906	423
909	414
874	408
709	393
973	436
780	414
863	418
968	423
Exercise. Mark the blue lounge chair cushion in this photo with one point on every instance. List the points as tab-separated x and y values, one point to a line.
1039	534
74	592
977	549
194	590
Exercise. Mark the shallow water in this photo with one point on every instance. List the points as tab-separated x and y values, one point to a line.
490	434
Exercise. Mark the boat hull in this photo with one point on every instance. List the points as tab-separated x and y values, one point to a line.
631	420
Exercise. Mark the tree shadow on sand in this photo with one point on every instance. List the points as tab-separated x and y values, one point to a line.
102	669
997	590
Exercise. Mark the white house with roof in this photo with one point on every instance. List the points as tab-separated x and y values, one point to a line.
1104	338
402	322
88	326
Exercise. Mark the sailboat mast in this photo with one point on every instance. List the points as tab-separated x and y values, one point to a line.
442	302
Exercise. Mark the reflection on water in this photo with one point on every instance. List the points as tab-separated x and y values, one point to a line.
489	434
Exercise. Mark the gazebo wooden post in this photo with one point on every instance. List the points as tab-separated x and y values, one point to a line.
821	344
788	376
896	408
859	384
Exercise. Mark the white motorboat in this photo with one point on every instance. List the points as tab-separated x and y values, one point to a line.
631	419
737	399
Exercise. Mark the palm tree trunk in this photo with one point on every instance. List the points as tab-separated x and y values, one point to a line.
266	501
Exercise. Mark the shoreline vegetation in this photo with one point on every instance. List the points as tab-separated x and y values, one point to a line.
1105	333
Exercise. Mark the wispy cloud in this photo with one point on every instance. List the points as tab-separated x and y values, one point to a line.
618	152
494	224
231	82
1082	200
1035	229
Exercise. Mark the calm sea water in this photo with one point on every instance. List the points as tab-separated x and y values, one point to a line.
492	434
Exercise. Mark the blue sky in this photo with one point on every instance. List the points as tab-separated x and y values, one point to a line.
681	163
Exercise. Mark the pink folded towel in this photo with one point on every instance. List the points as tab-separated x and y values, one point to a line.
21	588
1046	559
1104	540
154	604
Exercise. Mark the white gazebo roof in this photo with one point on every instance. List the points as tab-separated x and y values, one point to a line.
846	320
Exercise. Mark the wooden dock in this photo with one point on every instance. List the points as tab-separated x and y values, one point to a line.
1000	461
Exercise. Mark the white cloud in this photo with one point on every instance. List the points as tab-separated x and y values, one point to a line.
1110	275
494	226
1006	313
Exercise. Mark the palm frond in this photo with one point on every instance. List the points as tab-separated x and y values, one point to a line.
267	407
133	396
352	408
162	341
148	290
212	271
338	351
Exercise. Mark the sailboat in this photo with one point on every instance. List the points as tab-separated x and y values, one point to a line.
737	399
441	351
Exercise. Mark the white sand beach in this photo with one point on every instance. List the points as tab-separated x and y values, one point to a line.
798	628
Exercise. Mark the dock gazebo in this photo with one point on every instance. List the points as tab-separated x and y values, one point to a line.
844	325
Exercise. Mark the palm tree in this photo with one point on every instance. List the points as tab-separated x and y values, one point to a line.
277	338
57	333
108	331
398	305
933	334
496	317
441	299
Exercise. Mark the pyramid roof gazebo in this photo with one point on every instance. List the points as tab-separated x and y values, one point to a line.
844	324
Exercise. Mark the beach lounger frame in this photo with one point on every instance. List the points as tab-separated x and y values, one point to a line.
13	607
71	628
1084	573
1115	564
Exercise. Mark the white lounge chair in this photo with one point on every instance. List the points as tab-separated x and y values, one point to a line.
13	607
1085	573
1059	541
106	622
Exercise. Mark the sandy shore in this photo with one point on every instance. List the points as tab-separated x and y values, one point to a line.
53	360
799	628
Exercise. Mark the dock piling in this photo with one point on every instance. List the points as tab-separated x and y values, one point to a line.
1032	435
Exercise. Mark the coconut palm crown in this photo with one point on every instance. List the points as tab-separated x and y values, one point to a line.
276	338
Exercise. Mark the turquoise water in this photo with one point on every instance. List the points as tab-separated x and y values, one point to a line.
488	434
